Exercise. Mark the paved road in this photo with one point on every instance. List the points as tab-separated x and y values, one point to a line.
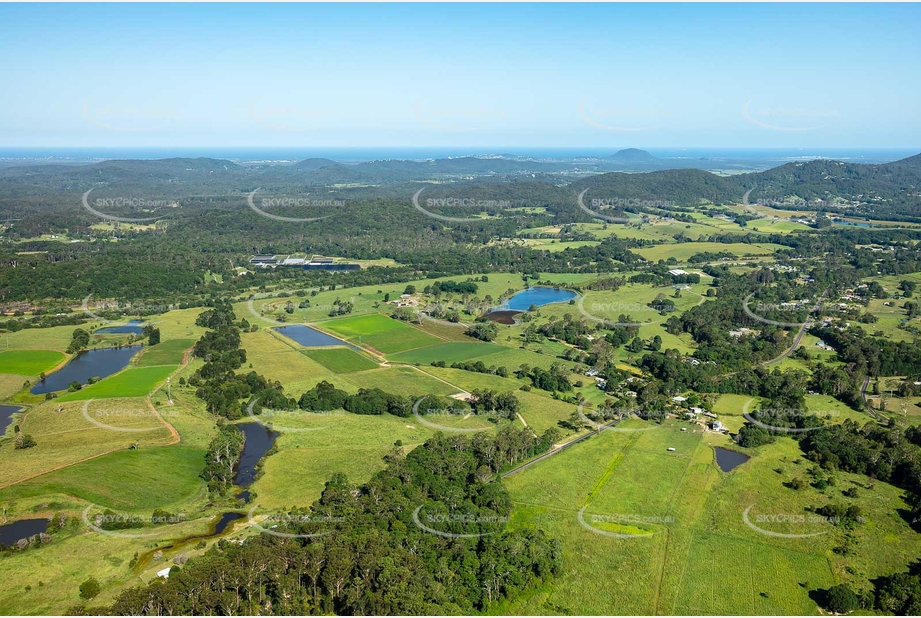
866	402
801	333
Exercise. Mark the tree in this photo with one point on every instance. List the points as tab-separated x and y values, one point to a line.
152	333
841	599
79	341
485	331
751	436
410	289
24	441
89	589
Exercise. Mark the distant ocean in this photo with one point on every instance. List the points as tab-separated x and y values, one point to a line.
355	155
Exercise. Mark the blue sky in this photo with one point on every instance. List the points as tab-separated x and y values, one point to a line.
720	75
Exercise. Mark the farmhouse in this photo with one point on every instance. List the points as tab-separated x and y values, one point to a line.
677	272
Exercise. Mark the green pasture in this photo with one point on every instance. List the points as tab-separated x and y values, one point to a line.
29	362
168	352
451	352
340	360
380	332
688	549
132	382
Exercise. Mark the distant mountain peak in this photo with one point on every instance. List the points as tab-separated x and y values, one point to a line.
631	155
314	163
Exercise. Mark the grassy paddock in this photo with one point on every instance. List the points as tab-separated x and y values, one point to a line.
340	360
132	382
165	353
450	352
29	362
701	558
380	332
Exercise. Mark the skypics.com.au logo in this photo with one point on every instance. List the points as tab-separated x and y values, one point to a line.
609	418
789	307
481	207
128	308
268	418
790	525
288	203
428	415
622	525
119	417
306	310
308	525
443	522
795	420
100	204
131	525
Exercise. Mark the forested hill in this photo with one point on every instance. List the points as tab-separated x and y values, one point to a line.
889	190
685	186
889	185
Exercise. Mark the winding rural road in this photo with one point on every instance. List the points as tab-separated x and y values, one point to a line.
866	401
801	333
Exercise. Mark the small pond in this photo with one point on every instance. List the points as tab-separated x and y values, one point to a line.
307	336
22	529
259	439
85	365
538	296
134	327
223	522
727	460
502	317
6	416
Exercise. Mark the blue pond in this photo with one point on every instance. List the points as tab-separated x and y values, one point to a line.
259	440
852	223
307	336
92	363
727	459
6	415
134	327
538	297
22	529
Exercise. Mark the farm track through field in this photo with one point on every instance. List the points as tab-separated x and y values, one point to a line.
670	540
558	449
460	390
